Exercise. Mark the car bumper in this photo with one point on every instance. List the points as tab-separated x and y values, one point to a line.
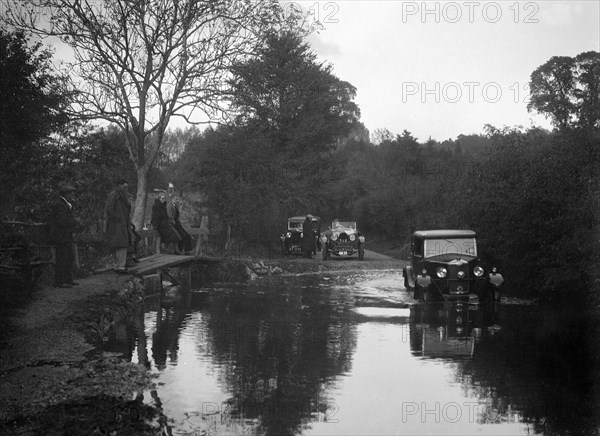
342	251
294	249
457	290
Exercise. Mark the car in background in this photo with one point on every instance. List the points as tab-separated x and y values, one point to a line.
444	266
343	239
291	240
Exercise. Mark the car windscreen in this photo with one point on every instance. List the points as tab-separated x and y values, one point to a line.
295	225
343	225
436	247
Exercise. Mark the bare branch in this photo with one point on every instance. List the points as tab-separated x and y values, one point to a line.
138	63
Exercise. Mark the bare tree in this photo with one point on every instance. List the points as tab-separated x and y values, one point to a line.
138	63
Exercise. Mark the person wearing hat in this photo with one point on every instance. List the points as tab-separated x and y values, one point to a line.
116	210
61	225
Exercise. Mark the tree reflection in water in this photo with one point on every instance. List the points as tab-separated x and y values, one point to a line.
281	352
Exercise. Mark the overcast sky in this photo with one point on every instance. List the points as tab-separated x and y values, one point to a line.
440	69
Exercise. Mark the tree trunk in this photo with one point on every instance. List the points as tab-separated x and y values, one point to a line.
140	199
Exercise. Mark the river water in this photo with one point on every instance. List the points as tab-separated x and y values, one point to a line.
340	354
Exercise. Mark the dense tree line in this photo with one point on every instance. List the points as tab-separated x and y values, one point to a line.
531	194
296	145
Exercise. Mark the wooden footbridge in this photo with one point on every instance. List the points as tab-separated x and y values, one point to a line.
157	262
174	268
28	252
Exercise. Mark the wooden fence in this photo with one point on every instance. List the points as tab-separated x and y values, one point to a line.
24	248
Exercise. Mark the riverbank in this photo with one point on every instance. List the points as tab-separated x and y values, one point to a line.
52	380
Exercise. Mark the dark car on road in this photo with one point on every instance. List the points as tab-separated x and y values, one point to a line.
291	241
444	266
343	239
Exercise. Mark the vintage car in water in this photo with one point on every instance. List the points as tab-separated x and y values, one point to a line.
291	241
342	239
444	266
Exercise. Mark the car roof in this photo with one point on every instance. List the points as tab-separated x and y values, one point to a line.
425	234
303	217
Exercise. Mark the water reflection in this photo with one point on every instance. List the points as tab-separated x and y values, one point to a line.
296	356
170	315
541	365
282	350
450	331
522	363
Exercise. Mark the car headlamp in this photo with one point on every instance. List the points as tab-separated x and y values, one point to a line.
352	238
478	271
334	237
288	235
361	238
441	272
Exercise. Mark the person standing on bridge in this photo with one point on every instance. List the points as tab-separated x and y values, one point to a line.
116	210
162	224
61	225
174	212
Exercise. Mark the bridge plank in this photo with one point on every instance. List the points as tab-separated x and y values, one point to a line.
158	261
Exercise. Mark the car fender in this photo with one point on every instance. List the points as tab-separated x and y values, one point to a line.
408	274
496	279
424	281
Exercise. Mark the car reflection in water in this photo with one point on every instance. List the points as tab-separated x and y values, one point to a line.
449	331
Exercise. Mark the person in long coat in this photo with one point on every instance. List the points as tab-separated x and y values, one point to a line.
173	210
61	225
161	223
185	245
116	210
308	237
